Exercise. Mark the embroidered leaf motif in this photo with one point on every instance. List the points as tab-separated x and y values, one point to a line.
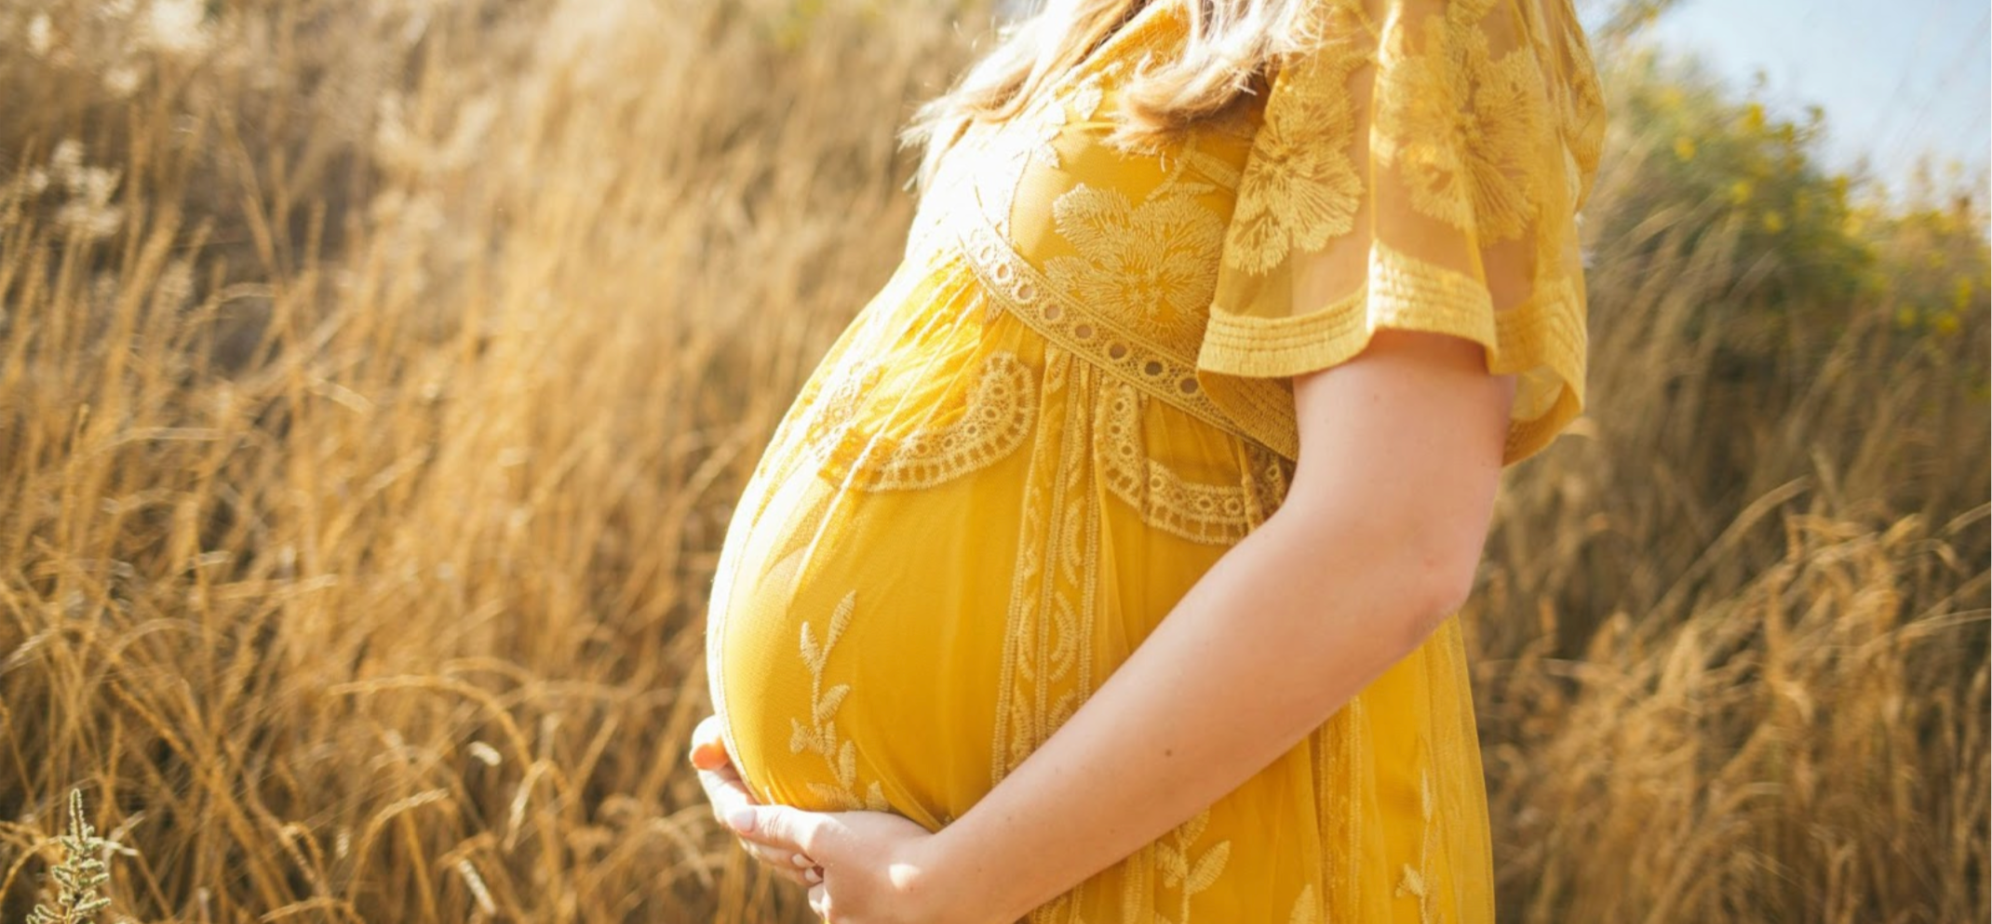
1209	867
1217	168
1305	909
811	655
820	735
1087	98
1194	828
1413	883
831	795
1425	793
847	765
1171	862
1177	869
840	619
826	706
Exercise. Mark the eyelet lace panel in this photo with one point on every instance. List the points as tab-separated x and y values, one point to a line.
998	414
1219	514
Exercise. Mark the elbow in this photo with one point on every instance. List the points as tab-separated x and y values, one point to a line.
1442	579
1419	563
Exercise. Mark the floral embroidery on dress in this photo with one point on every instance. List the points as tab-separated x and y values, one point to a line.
1301	186
1462	124
1086	98
1148	264
1581	115
1048	124
820	735
1418	135
1042	131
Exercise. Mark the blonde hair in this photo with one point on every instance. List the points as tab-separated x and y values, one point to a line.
1231	44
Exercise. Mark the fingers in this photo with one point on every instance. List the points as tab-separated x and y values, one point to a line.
725	788
709	745
779	826
784	865
792	866
785	862
717	775
819	901
726	792
733	804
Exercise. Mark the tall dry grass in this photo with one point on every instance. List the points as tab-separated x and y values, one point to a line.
375	382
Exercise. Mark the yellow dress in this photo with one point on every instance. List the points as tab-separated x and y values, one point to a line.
1075	394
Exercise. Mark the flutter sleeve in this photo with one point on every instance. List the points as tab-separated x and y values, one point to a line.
1419	167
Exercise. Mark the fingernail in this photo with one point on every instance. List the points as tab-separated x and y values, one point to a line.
800	860
813	876
740	819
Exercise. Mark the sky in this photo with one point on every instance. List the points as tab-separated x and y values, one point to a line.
1896	78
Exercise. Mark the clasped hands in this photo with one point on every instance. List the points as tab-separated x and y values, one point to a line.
859	867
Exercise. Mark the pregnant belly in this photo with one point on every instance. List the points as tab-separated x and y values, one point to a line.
856	642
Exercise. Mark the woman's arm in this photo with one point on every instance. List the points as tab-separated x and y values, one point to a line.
1374	545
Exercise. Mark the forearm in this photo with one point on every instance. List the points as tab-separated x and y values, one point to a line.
1282	631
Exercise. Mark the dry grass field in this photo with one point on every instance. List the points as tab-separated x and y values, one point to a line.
375	380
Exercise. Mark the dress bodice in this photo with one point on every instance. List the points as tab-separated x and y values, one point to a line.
1420	168
1112	254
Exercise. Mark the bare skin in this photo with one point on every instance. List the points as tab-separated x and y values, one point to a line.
1374	546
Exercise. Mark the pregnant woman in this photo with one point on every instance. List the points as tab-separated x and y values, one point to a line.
1106	568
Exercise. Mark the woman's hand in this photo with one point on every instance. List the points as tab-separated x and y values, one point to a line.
876	867
729	797
859	867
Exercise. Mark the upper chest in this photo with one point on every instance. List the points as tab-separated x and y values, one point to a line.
1132	237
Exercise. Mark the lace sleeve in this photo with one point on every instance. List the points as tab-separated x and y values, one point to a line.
1419	168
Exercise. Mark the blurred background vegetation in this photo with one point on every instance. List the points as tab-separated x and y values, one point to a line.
375	380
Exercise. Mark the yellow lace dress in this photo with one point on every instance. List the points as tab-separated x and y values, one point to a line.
1075	394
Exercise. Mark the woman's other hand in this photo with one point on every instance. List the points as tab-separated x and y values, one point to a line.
731	802
876	867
